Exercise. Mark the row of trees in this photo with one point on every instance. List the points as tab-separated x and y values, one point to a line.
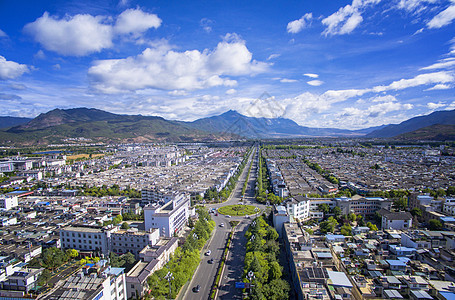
183	262
245	184
261	262
214	196
113	190
326	174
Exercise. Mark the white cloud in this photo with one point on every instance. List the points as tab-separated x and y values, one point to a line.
422	79
78	35
3	34
231	91
161	68
439	87
10	69
56	67
315	82
444	18
287	80
178	93
84	34
414	5
311	75
136	21
39	55
387	98
434	106
273	56
443	64
206	24
347	18
297	25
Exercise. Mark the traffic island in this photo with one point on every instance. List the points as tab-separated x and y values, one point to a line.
238	210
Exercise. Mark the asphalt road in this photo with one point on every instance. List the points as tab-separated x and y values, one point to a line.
205	274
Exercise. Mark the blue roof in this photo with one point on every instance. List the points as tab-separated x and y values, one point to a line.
448	219
114	271
448	295
334	236
396	262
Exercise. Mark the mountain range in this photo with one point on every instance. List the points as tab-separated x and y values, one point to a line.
100	126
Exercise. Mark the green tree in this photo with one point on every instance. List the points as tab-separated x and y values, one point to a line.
129	258
125	225
276	289
72	253
336	211
400	204
435	224
372	226
416	212
346	230
324	207
275	270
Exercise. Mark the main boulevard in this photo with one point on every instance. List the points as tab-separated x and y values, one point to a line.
206	272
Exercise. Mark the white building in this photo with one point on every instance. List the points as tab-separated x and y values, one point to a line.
22	280
107	240
110	284
170	217
448	207
7	202
280	216
395	220
7	221
298	208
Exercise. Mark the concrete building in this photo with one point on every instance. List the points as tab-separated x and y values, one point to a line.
132	240
23	280
86	238
298	208
8	202
170	217
280	216
395	220
362	206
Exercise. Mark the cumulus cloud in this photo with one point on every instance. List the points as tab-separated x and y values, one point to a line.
315	82
178	93
10	69
434	106
439	87
311	75
3	34
444	18
297	25
136	21
231	91
84	34
347	18
162	68
422	79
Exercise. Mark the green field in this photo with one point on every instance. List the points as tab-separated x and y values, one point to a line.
238	210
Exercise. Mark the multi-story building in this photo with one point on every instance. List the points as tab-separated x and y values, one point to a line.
132	240
105	240
109	284
22	280
8	202
395	220
448	207
298	208
170	217
362	206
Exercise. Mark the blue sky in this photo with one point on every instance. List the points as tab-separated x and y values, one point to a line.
345	64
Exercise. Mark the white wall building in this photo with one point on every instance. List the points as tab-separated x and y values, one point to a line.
168	218
7	202
298	208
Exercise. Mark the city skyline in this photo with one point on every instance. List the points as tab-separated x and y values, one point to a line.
352	64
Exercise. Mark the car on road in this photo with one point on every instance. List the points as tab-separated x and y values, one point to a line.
197	288
228	216
222	225
208	252
210	261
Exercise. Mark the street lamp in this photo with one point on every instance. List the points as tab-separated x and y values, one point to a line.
250	276
169	276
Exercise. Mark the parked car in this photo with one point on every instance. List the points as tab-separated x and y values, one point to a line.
222	225
210	261
208	252
197	288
